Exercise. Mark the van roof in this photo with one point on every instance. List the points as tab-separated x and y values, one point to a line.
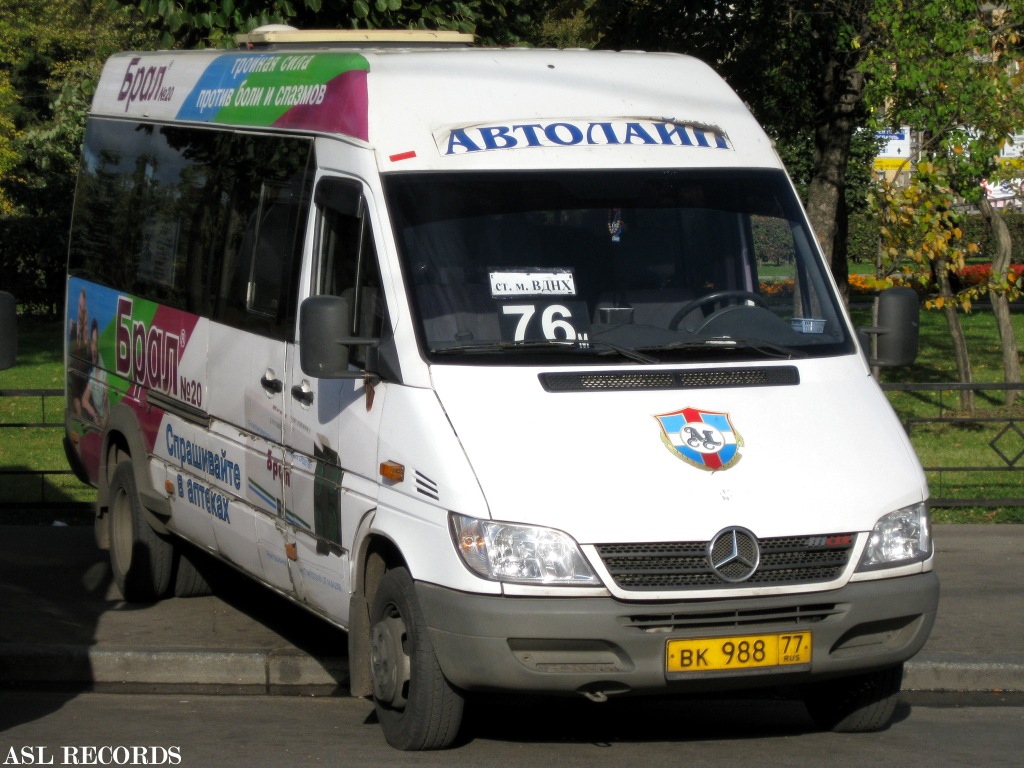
450	105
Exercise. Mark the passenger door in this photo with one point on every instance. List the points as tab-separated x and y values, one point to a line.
248	363
332	424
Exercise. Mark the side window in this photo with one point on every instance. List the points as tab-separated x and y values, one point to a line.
270	244
347	258
205	220
265	221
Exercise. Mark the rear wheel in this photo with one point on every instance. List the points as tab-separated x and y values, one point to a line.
190	571
858	704
416	706
142	560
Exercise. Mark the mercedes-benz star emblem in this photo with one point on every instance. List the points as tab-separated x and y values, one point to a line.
734	554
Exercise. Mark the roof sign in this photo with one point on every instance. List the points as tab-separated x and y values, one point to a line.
577	133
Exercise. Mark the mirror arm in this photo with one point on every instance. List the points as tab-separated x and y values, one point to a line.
873	330
371	379
358	341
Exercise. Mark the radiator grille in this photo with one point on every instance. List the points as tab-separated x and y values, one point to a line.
685	565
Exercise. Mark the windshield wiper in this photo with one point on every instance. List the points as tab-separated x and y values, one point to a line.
767	348
548	345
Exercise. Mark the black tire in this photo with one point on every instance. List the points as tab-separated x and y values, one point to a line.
190	571
417	707
859	704
142	561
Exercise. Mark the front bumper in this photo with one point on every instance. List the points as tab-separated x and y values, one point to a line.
600	646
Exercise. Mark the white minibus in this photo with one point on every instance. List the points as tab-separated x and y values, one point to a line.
522	366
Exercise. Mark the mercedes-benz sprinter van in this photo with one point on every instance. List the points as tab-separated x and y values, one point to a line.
524	367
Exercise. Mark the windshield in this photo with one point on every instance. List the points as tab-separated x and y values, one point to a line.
644	266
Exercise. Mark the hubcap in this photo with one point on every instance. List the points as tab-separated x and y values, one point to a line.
389	663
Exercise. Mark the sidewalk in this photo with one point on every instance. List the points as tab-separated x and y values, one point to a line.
62	622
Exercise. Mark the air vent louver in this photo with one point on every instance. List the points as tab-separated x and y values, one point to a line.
701	378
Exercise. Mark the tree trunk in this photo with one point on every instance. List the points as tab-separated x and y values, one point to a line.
1000	304
841	91
956	333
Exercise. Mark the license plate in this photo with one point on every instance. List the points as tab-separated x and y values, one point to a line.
716	654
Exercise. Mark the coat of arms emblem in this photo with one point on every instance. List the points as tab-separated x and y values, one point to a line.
704	439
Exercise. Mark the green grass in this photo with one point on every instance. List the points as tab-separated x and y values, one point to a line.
40	350
39	366
40	346
969	443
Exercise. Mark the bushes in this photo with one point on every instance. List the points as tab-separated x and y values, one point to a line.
976	231
977	274
862	238
862	241
861	287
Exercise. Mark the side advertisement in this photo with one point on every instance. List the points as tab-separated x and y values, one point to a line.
128	352
123	350
119	348
313	92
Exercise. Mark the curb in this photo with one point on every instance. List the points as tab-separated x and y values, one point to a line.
946	675
292	672
252	671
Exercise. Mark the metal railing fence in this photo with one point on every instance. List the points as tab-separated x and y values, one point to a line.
27	488
987	445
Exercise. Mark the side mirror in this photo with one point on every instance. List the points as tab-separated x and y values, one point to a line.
323	346
8	331
895	336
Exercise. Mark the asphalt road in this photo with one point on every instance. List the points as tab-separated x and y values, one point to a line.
931	731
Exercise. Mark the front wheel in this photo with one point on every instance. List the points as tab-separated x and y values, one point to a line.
859	704
142	561
417	707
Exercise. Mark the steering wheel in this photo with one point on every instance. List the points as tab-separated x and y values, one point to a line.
712	298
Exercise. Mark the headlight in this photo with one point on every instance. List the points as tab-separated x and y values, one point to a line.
900	538
520	553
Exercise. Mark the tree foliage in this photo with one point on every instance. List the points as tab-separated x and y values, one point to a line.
8	138
52	53
921	232
814	72
951	69
197	23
